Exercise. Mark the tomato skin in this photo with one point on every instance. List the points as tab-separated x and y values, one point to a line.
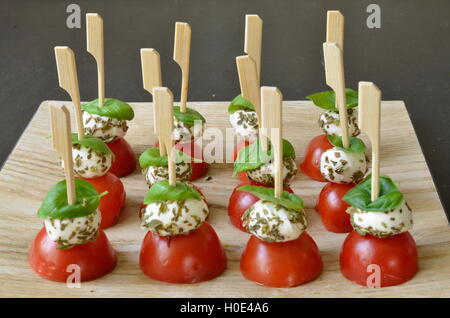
332	208
185	259
240	201
124	159
96	258
396	256
283	264
112	203
311	163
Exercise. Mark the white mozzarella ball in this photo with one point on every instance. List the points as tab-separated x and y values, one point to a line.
153	174
245	123
382	224
274	223
340	166
89	163
74	231
105	128
185	132
329	122
174	217
265	174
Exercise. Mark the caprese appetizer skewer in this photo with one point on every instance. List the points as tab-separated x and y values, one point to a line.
330	120
106	118
380	251
345	164
92	159
279	253
71	234
180	246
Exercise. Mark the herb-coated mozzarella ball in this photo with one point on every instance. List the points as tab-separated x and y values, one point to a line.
153	174
382	224
74	231
245	123
274	223
90	163
174	217
185	132
265	174
105	128
341	166
329	122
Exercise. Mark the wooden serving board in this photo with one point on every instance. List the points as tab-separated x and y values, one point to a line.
33	168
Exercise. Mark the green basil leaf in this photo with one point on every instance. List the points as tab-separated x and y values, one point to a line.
112	108
356	144
151	157
360	196
288	200
55	204
91	143
327	99
162	191
240	103
189	117
253	156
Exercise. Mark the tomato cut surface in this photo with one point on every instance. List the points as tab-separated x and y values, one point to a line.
332	208
111	204
124	160
95	259
183	259
284	264
393	259
311	163
240	201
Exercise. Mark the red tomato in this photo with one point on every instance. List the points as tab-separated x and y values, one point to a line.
183	259
96	258
124	160
240	201
396	257
284	264
311	163
112	203
332	207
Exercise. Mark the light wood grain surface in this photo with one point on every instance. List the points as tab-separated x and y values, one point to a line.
33	168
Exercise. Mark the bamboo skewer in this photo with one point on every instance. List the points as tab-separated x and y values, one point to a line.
62	142
68	80
253	40
181	55
248	80
335	28
369	100
334	71
95	46
271	110
151	75
163	103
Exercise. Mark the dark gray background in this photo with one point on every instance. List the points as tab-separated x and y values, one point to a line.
409	57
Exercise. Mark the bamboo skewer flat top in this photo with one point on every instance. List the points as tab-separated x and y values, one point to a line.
95	46
181	55
253	40
335	28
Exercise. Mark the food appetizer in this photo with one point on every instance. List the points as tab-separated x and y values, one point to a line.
180	246
106	118
71	234
345	164
92	159
331	120
380	242
279	253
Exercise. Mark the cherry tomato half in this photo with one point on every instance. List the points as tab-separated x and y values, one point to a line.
283	264
124	160
95	259
240	201
395	257
112	203
332	208
183	259
311	163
